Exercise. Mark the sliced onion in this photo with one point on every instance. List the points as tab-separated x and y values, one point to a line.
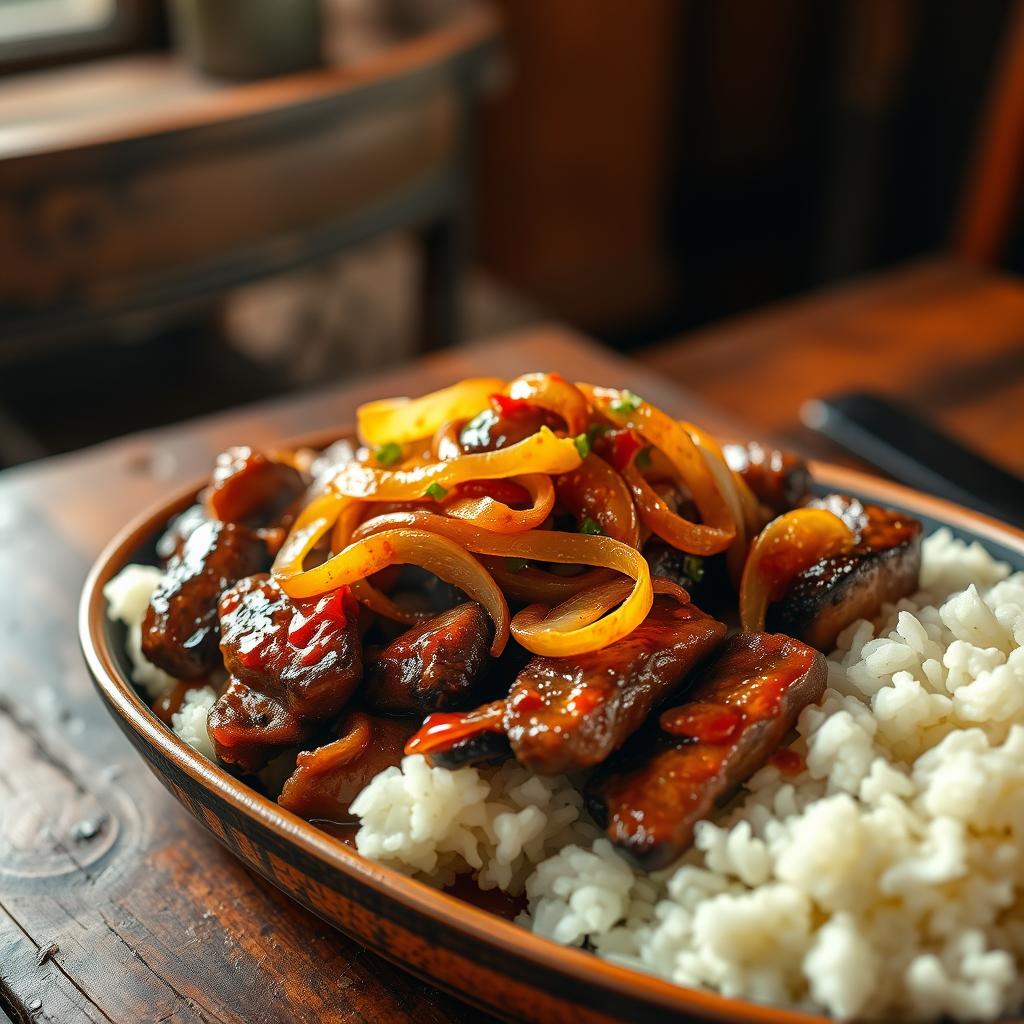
725	481
717	529
403	546
538	586
786	547
546	546
554	393
400	420
595	491
498	517
541	452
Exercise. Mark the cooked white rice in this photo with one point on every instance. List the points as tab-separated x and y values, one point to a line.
128	595
885	879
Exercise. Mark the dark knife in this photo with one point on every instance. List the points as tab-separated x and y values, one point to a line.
916	453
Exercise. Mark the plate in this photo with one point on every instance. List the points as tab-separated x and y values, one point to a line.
484	959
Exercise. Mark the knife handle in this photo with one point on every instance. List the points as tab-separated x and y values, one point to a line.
916	452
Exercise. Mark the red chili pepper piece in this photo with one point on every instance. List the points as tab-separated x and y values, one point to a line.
443	730
308	622
618	447
789	762
505	406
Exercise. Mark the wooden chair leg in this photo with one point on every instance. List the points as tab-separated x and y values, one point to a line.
443	249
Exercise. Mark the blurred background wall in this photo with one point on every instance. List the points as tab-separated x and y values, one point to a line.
636	170
661	164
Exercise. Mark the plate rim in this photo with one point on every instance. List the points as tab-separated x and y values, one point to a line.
477	924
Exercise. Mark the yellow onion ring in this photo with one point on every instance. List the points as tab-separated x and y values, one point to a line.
400	420
555	394
537	586
542	546
717	530
786	547
725	481
498	517
431	551
541	452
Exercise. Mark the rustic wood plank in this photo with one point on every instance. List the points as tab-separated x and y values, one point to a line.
943	337
149	918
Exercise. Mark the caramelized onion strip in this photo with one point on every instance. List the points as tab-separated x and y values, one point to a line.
400	420
546	546
717	528
541	452
786	547
403	546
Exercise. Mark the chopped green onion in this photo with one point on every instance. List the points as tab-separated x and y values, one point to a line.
516	564
582	445
693	567
590	526
643	458
595	430
437	492
627	403
388	454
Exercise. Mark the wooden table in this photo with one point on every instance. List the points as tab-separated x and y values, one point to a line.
943	337
114	904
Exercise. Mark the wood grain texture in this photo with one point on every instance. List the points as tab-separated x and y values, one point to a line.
945	338
114	905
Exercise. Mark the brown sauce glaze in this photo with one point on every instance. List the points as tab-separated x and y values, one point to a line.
180	630
883	566
564	714
305	654
248	487
436	665
780	480
326	780
664	781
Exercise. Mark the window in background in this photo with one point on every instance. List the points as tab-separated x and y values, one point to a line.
35	32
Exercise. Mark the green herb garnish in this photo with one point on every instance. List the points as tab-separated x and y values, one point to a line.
582	443
628	402
516	564
643	458
388	454
590	526
437	492
693	567
596	430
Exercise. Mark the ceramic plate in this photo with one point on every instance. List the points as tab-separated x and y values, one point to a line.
480	957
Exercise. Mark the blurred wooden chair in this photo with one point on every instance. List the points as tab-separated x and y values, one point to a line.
941	334
135	183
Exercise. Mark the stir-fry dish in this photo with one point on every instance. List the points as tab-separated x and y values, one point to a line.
532	569
680	706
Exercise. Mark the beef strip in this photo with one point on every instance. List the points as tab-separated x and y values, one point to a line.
674	771
179	632
248	487
305	654
436	665
779	480
883	566
326	780
569	713
293	666
178	530
248	728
